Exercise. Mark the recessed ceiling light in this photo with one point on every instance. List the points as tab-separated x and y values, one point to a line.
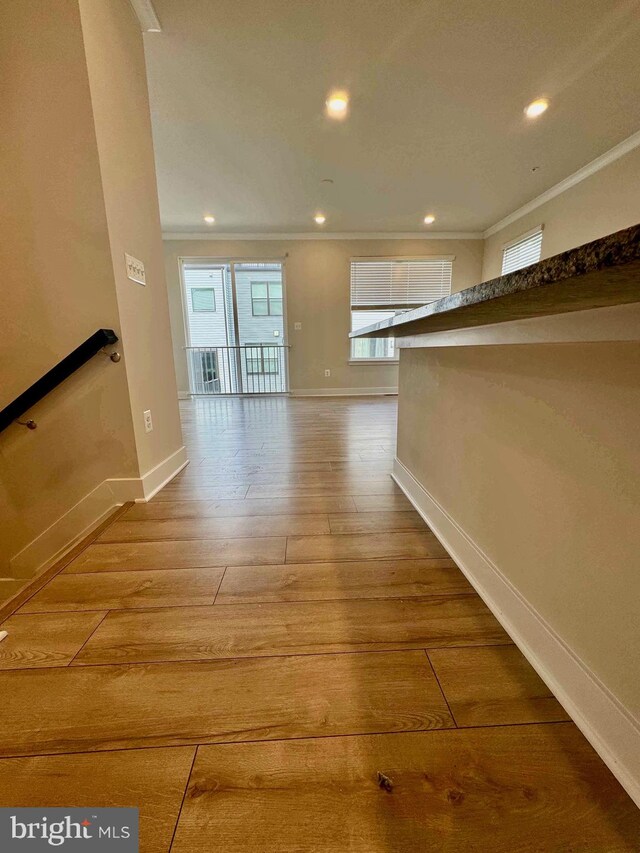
537	107
320	218
337	105
429	219
209	219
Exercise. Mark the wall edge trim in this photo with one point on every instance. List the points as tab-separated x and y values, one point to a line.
89	512
327	235
609	726
627	145
64	533
343	392
158	477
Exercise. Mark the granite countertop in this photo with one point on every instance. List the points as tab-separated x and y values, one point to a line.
597	274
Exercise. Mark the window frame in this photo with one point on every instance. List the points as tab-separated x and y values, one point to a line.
261	359
269	299
395	308
199	289
521	238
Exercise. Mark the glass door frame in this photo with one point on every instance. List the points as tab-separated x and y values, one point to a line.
231	263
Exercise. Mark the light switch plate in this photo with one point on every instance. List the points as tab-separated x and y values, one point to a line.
135	269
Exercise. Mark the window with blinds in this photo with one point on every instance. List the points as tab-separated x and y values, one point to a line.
383	287
522	252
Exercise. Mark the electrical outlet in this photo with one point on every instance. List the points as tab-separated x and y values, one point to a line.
327	373
297	326
148	423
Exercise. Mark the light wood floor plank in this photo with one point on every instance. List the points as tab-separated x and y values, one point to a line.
152	530
249	630
380	503
356	467
360	546
46	639
235	466
373	522
357	579
531	789
198	478
189	554
212	493
154	780
105	707
122	590
353	487
493	686
247	507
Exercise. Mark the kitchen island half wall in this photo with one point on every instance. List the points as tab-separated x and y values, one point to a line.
525	460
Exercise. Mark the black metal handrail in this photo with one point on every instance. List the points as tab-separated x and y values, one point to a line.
57	374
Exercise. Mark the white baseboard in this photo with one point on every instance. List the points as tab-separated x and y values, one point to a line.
343	392
89	512
609	726
158	477
50	545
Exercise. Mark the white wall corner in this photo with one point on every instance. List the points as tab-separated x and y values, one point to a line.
609	726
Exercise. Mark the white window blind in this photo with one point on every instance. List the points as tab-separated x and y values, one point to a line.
398	283
522	252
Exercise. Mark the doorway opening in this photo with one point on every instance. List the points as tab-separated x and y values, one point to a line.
235	327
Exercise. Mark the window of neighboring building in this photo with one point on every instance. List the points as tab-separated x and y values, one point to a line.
384	287
203	299
266	298
522	251
261	358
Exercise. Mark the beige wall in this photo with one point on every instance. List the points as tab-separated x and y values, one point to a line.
317	287
57	277
533	451
117	77
65	223
600	204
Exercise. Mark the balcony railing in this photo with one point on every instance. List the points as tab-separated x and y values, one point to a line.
247	369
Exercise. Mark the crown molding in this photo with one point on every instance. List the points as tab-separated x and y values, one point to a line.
591	168
586	171
337	235
146	15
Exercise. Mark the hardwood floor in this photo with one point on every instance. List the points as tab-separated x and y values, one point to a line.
242	656
514	788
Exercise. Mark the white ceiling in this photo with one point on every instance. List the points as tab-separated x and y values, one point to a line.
437	90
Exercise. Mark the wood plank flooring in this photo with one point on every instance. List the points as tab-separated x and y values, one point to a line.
356	579
243	655
152	779
528	788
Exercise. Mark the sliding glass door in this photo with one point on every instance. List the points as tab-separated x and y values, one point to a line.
235	327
